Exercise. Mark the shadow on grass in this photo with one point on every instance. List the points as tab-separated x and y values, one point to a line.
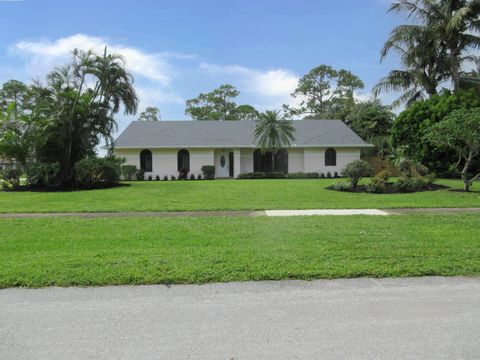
63	188
466	192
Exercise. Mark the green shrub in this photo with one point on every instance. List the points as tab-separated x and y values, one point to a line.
254	175
172	177
355	171
93	172
165	178
128	171
43	174
192	176
199	177
329	175
302	175
274	175
342	186
412	184
378	182
208	172
157	178
322	175
183	174
11	178
150	178
140	175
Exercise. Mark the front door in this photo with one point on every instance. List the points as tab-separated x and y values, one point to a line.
223	166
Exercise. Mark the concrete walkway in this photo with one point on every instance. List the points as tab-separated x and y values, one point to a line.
417	318
235	213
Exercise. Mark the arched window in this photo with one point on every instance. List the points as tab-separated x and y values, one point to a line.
330	157
183	160
146	160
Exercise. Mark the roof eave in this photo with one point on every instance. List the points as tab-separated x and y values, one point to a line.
244	146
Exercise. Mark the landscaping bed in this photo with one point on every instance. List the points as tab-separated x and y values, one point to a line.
229	195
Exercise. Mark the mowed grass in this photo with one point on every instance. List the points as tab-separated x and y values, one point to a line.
107	251
228	195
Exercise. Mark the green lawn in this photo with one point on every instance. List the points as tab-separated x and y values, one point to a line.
227	195
101	251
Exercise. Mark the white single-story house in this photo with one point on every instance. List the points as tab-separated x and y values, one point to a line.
164	147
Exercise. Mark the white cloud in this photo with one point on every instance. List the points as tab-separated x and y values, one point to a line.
45	54
272	88
151	96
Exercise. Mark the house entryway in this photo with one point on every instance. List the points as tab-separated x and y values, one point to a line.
224	164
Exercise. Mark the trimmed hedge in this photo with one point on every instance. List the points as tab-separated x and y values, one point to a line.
262	175
302	175
279	175
208	172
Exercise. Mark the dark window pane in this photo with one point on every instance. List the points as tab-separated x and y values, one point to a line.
183	160
330	157
146	160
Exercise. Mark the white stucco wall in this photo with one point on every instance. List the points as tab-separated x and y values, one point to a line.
246	160
314	159
199	158
164	161
295	160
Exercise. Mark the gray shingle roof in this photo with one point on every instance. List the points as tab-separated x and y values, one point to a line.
239	134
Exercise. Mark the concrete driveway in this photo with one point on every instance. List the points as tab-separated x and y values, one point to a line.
423	318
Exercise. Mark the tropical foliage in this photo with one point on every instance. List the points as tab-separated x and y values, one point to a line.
372	121
433	47
460	131
63	121
273	132
410	127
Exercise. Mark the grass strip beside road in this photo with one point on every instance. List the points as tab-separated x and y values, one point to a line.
118	251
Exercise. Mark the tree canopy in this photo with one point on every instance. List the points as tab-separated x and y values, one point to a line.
372	121
460	131
151	113
411	125
325	93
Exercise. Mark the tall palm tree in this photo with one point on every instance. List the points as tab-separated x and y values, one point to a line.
86	96
424	60
456	22
273	132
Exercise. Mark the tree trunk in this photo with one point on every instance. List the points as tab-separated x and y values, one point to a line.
466	182
273	161
455	68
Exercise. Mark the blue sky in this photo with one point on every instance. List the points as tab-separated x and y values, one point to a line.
177	49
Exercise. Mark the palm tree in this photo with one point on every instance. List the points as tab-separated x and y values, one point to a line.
86	96
424	61
455	22
273	132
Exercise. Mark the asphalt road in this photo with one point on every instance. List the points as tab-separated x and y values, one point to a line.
423	318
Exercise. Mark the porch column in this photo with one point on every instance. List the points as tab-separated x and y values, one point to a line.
236	162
